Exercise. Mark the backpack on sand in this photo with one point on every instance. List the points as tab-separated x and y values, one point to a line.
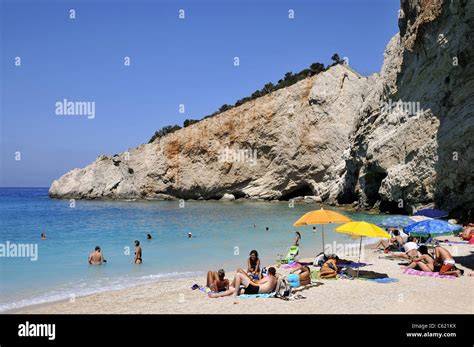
282	288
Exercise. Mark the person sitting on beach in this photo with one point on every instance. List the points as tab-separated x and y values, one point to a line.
264	285
329	268
445	263
297	240
96	257
138	253
395	243
148	237
43	236
253	265
410	248
217	282
424	262
304	273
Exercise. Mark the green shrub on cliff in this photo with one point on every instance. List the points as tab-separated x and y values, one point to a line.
168	129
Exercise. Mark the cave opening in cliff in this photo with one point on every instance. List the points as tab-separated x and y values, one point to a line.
372	181
301	190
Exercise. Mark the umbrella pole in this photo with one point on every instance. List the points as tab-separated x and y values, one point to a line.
322	235
360	250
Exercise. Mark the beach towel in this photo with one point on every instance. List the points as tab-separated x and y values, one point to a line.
291	265
353	265
427	274
315	277
255	296
455	242
383	280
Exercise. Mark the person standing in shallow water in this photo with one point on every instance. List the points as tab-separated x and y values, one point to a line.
138	252
96	257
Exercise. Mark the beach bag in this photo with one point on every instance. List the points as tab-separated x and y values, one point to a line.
282	288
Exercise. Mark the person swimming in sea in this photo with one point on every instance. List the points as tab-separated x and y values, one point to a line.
96	257
43	236
148	237
138	253
190	235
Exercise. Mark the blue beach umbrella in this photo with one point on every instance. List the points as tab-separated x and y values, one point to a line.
432	213
396	222
433	227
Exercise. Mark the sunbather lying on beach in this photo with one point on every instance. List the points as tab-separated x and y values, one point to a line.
96	257
411	249
304	273
445	263
424	262
264	285
394	243
217	281
329	268
253	265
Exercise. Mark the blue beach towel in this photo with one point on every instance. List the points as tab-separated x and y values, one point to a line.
255	296
353	265
383	280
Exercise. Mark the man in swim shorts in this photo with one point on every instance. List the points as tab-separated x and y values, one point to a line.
304	274
445	262
264	285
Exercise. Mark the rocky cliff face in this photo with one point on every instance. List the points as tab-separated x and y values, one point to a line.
419	151
395	140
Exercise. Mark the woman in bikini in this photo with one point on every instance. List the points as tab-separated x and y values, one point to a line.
425	262
138	253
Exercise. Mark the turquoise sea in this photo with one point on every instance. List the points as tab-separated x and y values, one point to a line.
223	235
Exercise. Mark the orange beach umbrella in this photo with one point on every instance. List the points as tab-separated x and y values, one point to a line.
322	217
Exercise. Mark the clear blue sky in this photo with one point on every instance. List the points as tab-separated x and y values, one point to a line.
173	62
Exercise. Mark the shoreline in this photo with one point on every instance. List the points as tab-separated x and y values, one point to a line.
411	294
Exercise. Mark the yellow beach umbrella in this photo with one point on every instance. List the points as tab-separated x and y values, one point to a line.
322	217
362	229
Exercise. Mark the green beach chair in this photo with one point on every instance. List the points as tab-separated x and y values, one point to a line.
290	255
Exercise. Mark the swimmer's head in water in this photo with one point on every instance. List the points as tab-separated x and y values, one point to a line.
271	271
137	243
97	248
148	236
221	274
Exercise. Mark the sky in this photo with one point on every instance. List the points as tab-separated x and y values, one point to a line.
173	61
